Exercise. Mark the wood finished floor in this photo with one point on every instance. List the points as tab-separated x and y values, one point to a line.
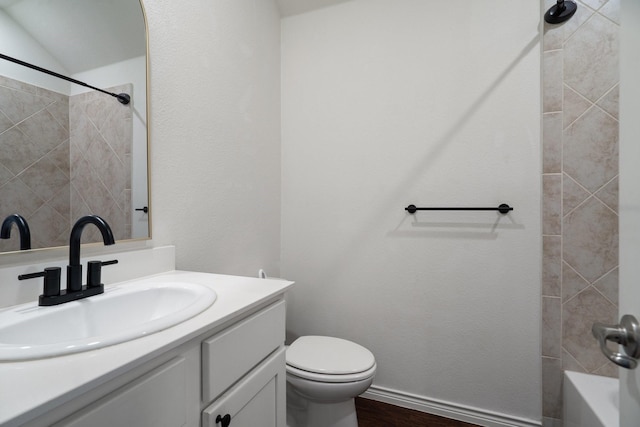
377	414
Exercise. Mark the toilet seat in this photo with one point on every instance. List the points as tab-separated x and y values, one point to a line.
331	378
329	359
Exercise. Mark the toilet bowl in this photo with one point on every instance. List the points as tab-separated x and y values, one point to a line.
324	375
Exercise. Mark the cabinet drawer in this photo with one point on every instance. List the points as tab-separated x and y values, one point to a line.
257	400
226	357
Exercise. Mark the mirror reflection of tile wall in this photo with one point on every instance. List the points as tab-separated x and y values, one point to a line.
48	173
580	193
34	162
101	138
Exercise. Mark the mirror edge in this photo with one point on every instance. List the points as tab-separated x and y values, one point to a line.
148	112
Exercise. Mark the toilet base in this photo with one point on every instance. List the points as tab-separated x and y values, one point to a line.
302	412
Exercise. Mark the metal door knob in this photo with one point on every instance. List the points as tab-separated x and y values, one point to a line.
627	334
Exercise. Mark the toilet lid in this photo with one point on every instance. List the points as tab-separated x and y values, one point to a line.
329	355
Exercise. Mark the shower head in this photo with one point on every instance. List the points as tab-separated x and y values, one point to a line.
560	12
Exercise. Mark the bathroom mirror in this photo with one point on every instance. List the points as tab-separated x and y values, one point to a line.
66	150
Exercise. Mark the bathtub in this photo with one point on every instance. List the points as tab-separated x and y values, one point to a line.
590	400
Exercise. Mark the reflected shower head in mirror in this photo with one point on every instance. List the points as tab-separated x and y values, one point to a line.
560	12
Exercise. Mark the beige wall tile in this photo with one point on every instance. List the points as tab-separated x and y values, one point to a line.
101	161
590	149
49	225
38	150
5	123
591	58
608	286
552	143
594	4
553	37
16	84
581	16
18	151
609	369
551	387
611	10
5	174
18	105
571	364
44	178
574	105
552	204
551	422
610	101
60	157
609	194
23	200
551	327
551	265
573	194
578	315
552	81
590	239
572	282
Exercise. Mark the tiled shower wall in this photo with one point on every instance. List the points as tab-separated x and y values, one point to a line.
34	162
580	193
61	158
100	149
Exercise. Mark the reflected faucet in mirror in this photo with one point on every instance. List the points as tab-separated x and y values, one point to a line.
23	229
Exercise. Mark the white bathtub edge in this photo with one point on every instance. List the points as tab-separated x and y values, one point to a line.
590	400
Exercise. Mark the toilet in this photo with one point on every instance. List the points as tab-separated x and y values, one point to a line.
324	375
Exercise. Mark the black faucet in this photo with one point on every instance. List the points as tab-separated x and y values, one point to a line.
23	228
52	294
74	269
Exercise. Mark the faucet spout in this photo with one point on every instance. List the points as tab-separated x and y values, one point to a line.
23	229
74	269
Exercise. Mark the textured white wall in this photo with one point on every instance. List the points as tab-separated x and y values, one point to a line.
215	133
387	103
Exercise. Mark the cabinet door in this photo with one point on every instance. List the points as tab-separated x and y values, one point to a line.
257	400
157	399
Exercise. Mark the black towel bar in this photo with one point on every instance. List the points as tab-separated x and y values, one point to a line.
503	209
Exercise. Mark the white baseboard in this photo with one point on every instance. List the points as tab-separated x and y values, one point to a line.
446	409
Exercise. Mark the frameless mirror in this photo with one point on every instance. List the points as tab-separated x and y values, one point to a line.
66	150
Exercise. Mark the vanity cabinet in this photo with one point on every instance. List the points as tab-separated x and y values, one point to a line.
235	371
259	398
158	398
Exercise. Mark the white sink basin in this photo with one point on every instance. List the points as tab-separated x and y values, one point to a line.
121	314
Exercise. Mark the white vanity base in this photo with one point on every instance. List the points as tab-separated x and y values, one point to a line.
172	373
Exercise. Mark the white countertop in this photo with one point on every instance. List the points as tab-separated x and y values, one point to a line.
31	388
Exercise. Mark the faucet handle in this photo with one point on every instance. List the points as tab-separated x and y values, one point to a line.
94	272
51	280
